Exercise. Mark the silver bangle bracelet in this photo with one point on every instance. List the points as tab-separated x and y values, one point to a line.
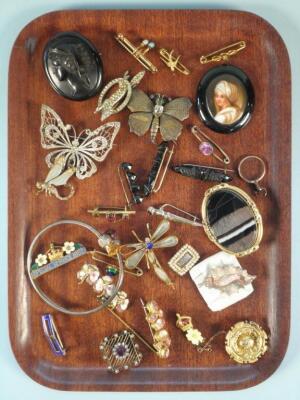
49	301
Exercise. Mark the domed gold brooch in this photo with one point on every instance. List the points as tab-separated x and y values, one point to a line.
246	342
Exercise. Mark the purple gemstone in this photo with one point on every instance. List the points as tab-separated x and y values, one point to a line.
149	246
121	350
206	148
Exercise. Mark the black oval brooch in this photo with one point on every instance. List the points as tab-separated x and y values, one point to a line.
225	99
73	66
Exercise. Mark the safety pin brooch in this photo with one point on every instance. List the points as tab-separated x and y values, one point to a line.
208	146
138	52
173	62
155	177
224	53
152	184
113	268
52	335
161	211
111	213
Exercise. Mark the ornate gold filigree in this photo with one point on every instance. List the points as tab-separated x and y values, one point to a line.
246	342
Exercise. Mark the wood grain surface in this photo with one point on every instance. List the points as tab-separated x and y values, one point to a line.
192	33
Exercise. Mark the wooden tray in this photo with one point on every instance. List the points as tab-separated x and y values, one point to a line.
192	33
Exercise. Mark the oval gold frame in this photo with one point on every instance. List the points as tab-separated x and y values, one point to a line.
250	203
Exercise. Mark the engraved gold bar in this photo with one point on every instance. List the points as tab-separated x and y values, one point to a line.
106	211
136	52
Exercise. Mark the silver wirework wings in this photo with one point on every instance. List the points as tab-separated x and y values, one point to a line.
78	150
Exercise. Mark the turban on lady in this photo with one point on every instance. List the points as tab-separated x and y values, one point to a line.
230	90
235	97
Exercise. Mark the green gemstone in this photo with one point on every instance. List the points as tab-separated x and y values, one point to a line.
112	271
34	267
77	246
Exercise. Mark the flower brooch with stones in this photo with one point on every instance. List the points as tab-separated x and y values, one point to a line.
103	286
156	321
120	351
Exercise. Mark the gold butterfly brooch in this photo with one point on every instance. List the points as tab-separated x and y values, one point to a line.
157	113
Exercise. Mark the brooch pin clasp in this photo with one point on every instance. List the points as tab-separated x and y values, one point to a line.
138	52
173	62
224	53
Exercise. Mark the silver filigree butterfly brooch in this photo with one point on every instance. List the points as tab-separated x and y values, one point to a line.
157	113
71	153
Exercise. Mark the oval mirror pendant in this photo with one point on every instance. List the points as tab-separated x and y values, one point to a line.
232	220
225	99
73	66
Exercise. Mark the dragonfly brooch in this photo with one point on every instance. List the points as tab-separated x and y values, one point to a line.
146	248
